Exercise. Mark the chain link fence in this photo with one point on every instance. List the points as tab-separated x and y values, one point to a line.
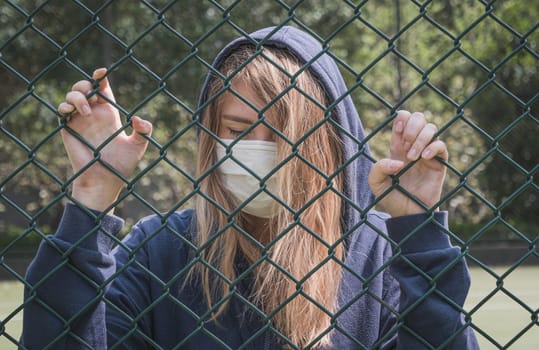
470	65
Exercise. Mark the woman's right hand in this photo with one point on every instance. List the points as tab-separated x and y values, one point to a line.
95	119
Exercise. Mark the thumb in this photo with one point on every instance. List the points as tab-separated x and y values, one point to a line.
100	75
380	172
141	130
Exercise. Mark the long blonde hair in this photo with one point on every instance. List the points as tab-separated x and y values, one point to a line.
297	276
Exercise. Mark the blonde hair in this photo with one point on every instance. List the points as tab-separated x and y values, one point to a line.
297	276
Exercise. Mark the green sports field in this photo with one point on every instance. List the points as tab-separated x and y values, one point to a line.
502	303
500	315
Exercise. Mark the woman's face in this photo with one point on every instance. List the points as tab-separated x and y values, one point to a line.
237	116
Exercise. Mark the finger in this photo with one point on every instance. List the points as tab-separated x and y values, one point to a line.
85	87
396	144
424	138
141	129
80	102
400	121
65	108
413	127
436	149
99	75
381	170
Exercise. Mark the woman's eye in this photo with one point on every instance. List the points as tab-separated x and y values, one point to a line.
234	132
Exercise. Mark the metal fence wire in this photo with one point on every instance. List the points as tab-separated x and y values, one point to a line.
470	65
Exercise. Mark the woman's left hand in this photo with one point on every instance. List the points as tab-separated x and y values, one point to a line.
412	139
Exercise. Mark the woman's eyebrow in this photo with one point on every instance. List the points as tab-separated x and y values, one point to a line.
237	118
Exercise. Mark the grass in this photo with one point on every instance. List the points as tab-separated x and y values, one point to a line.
499	313
10	300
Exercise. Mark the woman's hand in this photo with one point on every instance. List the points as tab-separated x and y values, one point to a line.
412	139
95	120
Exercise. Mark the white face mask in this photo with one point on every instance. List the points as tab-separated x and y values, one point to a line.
258	156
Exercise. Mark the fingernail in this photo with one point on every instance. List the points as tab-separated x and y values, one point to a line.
399	126
407	145
86	110
427	153
413	154
394	165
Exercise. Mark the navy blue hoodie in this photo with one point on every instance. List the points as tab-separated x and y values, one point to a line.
403	283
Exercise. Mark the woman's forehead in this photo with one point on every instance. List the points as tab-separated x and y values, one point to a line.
241	98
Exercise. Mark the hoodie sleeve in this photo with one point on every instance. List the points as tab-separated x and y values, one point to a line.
66	281
427	284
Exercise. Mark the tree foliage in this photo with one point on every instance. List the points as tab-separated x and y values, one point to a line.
471	66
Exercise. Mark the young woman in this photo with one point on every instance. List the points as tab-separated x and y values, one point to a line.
283	248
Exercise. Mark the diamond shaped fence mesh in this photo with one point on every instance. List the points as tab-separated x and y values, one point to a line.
471	67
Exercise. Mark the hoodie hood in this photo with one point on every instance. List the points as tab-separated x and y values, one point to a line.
356	151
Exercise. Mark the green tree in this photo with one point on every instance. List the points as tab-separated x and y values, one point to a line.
436	57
